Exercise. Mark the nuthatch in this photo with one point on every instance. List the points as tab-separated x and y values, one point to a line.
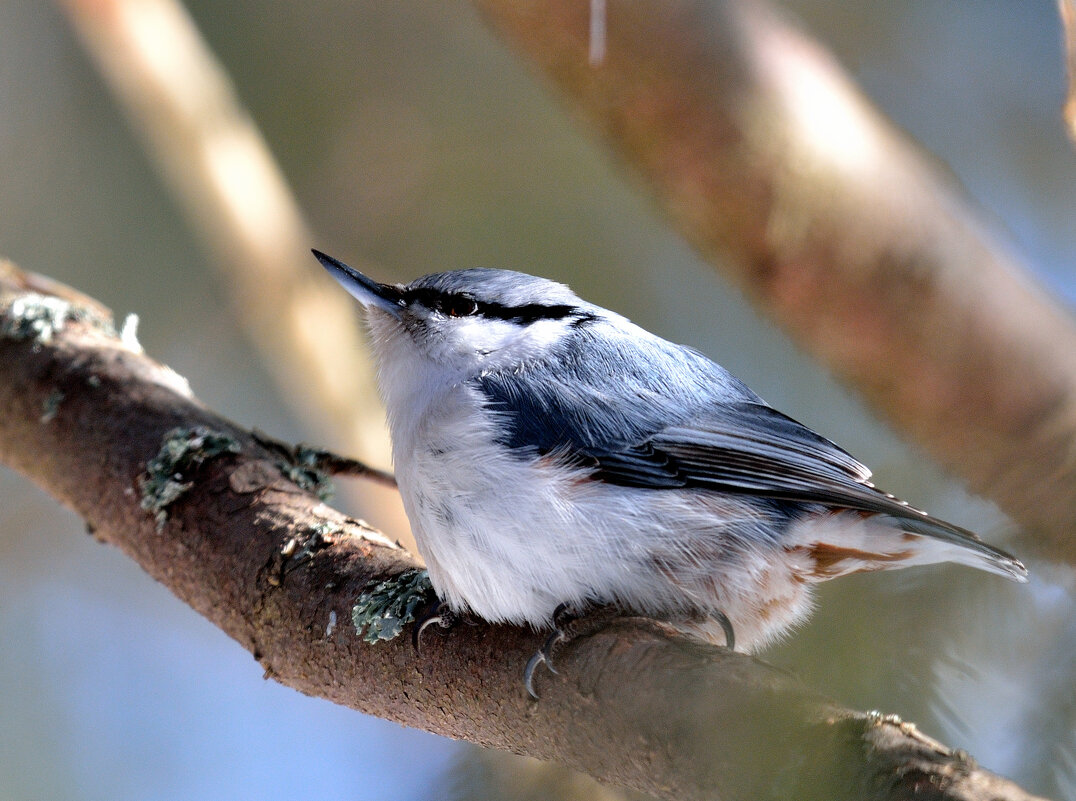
550	453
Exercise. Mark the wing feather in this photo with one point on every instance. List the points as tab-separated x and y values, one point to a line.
706	432
753	449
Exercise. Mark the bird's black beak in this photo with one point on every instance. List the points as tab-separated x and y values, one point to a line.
367	291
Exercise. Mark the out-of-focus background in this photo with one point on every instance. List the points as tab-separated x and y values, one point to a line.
414	138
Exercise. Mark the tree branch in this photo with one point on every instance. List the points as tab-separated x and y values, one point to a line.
84	412
758	147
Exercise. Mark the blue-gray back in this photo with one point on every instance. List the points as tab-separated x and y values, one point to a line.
602	391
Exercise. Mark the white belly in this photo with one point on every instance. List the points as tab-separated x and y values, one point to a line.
498	535
510	539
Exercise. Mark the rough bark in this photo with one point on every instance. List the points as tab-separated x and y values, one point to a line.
82	413
766	157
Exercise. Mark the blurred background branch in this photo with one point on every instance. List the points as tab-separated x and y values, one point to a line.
757	147
210	154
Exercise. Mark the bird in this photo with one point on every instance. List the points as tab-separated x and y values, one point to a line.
552	455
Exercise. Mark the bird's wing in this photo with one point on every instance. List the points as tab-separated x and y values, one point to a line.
753	449
638	436
750	448
737	445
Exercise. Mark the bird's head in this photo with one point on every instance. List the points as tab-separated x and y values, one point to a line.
452	326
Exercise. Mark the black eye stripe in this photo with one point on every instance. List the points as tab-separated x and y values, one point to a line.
458	306
455	304
532	312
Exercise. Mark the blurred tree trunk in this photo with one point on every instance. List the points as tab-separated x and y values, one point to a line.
768	159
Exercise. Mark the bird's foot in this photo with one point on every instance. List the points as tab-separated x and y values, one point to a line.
568	623
437	613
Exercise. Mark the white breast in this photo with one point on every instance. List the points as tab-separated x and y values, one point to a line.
510	539
482	518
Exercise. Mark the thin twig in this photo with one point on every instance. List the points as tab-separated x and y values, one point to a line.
336	465
330	463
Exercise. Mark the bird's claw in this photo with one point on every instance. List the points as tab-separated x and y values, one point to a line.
726	626
436	613
543	655
528	673
562	617
565	627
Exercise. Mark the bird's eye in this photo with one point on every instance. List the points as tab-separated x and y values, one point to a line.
458	306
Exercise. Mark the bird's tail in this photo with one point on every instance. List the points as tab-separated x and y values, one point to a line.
837	543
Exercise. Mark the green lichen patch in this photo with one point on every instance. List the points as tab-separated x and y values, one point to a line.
38	318
51	405
182	451
381	613
303	468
